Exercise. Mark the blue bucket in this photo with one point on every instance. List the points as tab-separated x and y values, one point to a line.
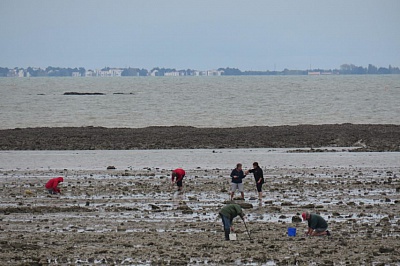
291	231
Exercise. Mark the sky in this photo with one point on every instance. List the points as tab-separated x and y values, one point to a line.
199	34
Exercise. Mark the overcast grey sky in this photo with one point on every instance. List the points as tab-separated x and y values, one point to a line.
199	34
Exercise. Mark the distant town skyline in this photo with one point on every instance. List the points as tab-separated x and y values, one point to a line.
208	34
345	69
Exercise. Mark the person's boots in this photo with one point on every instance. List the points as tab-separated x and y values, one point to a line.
227	232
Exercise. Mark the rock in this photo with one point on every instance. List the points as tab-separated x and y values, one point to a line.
83	93
276	209
380	137
386	250
296	219
245	205
384	221
154	207
121	228
238	198
187	211
342	242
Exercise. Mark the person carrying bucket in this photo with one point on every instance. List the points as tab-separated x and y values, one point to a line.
177	176
227	214
317	226
258	177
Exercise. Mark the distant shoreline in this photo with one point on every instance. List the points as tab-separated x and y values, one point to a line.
345	69
368	137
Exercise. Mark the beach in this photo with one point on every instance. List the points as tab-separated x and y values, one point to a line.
131	215
115	217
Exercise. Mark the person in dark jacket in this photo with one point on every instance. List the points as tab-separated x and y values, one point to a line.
258	177
237	175
227	214
317	226
52	185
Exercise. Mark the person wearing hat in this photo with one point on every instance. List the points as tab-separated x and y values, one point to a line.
227	214
52	185
317	226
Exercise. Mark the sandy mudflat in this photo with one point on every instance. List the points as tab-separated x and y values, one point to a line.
135	218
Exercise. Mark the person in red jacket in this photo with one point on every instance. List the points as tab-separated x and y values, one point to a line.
176	177
52	185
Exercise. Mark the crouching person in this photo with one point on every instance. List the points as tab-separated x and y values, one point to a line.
228	213
52	185
317	226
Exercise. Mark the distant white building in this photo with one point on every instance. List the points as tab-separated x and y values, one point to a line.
89	73
112	72
208	73
172	74
175	73
21	73
214	73
200	73
314	73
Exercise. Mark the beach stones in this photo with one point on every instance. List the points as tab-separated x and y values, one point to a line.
296	219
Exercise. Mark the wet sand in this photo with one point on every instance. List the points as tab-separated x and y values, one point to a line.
115	217
134	217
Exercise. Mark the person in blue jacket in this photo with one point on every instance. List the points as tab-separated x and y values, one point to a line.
237	175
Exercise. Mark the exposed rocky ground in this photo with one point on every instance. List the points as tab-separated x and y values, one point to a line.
366	137
114	217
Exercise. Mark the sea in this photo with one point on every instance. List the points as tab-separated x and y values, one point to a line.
227	101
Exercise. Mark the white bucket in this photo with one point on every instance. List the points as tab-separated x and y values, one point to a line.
232	236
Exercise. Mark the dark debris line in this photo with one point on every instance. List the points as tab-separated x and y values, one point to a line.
365	136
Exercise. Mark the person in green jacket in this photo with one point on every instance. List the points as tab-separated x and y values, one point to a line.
228	213
317	226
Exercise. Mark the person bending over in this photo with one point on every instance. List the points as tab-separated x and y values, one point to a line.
317	226
227	214
52	185
177	176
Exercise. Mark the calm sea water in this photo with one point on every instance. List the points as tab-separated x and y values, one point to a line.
194	159
136	102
